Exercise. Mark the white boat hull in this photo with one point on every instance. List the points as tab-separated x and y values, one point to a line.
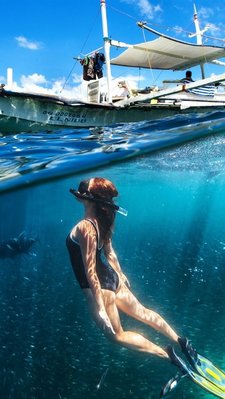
32	113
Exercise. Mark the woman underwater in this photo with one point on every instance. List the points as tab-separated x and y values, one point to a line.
105	286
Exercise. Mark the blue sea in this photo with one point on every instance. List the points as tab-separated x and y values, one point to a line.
170	176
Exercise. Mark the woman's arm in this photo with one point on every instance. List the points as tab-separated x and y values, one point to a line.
86	235
114	262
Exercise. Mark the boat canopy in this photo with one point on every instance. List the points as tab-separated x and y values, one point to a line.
168	54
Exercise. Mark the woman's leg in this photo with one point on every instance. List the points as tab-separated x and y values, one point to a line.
127	339
129	304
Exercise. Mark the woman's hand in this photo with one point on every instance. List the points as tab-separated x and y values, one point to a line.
105	318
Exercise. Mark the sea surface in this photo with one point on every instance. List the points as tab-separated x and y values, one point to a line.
171	178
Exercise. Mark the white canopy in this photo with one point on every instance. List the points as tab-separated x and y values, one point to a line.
167	53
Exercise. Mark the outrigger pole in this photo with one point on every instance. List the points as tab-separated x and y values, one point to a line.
106	48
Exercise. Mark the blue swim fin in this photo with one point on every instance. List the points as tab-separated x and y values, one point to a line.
202	365
209	383
208	370
171	384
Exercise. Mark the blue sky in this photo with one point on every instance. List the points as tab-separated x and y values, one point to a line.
40	39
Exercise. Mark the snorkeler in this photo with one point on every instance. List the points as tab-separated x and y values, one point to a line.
105	286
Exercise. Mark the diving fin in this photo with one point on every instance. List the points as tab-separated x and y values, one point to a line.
208	385
208	370
176	360
202	365
189	352
171	384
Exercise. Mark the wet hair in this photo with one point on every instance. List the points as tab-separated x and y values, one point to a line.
105	190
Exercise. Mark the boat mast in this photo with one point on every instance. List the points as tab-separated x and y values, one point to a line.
106	48
198	34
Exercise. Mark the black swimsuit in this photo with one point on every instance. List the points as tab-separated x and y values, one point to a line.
107	276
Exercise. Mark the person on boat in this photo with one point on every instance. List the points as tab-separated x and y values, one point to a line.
188	77
206	90
103	282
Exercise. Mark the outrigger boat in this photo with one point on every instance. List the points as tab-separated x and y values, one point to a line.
24	111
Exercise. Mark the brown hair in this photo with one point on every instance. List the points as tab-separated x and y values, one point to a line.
104	189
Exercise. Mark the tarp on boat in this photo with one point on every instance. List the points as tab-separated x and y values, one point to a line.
167	53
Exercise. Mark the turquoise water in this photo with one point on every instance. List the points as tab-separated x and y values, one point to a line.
171	246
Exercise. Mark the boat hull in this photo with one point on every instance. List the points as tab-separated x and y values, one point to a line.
32	113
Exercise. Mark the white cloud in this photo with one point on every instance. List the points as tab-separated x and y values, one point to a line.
24	42
35	79
214	29
37	83
30	83
77	78
204	13
179	30
145	7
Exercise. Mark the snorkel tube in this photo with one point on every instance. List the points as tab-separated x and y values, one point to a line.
90	197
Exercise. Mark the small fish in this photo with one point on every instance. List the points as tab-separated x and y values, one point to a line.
102	379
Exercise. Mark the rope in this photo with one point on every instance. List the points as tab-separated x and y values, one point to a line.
180	30
81	51
122	12
154	79
158	26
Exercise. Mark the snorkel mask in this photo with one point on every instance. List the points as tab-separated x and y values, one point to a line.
83	193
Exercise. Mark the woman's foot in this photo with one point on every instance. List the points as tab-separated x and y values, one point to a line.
176	360
189	352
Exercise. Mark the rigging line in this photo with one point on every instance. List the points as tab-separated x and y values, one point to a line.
122	12
154	79
180	30
68	76
152	24
81	50
148	55
214	38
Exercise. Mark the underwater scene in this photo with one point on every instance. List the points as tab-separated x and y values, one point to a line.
171	246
